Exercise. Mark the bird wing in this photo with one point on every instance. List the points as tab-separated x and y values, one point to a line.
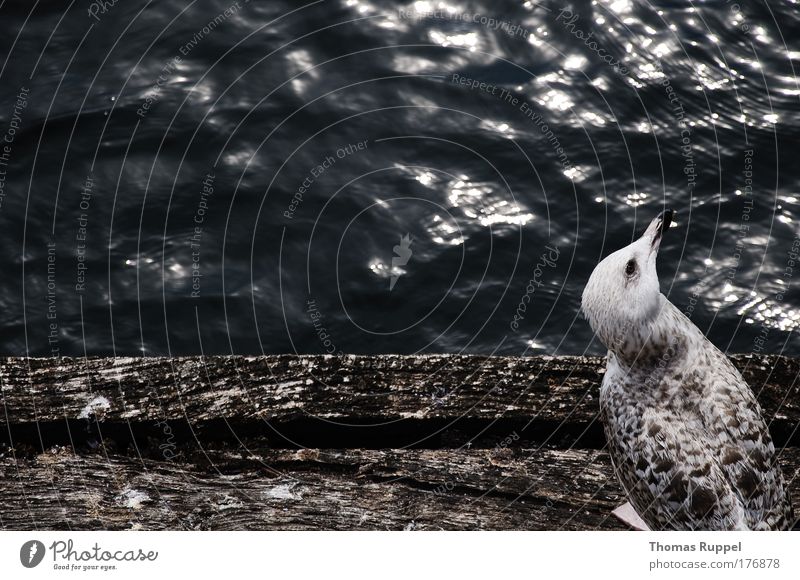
745	452
704	462
672	478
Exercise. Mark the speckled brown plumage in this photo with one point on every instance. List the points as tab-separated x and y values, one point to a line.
685	432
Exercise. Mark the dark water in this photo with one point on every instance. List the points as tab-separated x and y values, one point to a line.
130	171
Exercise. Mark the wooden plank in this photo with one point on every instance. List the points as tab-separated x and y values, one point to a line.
497	489
238	388
215	465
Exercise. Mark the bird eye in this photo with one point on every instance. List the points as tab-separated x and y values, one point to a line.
630	268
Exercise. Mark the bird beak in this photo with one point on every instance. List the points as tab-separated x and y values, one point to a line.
655	231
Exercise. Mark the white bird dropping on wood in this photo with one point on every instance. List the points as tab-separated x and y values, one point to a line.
685	433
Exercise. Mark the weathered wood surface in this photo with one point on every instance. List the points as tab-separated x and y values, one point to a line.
423	442
389	387
320	489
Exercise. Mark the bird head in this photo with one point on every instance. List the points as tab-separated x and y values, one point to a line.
622	297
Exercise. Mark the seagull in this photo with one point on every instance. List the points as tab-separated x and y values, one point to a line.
687	438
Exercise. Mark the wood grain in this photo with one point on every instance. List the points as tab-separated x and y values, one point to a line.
388	387
236	443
